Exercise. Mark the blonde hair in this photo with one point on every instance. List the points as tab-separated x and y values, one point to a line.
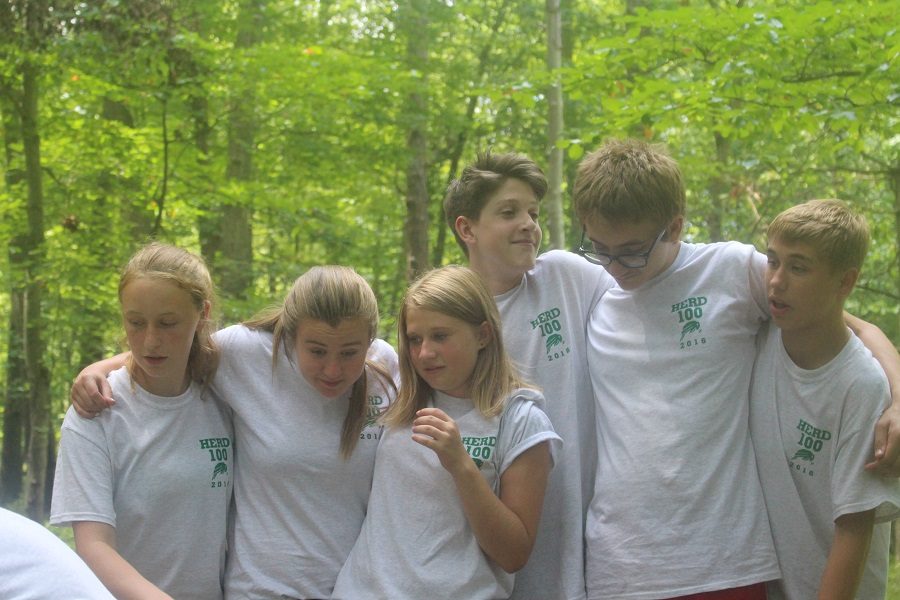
188	271
329	294
460	293
839	235
629	181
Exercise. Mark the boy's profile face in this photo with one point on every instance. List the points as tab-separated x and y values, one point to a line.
504	240
804	291
656	245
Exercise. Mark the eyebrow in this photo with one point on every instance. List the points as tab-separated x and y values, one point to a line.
791	255
627	244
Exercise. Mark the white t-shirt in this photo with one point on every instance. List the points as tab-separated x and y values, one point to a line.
416	541
544	320
158	470
37	565
298	505
813	433
677	506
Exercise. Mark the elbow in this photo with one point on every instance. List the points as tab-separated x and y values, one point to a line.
515	561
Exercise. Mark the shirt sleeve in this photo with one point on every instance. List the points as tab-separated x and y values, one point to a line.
854	489
83	484
522	426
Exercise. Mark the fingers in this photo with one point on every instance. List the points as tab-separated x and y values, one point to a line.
887	445
91	394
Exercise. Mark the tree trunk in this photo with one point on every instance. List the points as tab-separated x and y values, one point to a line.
38	374
553	202
15	413
414	22
895	186
235	261
718	190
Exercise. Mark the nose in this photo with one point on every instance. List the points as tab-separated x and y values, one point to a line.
153	337
529	224
425	350
776	277
332	368
616	269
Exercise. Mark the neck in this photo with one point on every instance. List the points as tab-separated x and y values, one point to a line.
816	346
159	386
497	283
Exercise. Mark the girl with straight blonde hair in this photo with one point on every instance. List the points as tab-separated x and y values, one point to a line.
462	466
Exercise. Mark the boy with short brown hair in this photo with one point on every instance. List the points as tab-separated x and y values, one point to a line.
677	509
544	301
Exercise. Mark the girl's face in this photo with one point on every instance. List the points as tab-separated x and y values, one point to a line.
444	349
160	321
330	358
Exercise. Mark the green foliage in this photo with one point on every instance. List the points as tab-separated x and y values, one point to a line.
763	104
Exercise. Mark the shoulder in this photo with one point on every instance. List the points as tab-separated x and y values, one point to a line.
524	404
722	252
238	334
571	269
566	263
867	375
383	355
382	352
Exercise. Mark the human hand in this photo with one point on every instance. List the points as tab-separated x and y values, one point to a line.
90	393
887	444
434	429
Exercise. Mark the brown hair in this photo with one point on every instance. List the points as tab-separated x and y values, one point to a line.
467	195
628	181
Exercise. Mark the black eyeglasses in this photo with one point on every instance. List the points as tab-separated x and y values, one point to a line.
629	261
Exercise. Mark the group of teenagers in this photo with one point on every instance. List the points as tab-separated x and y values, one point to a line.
551	427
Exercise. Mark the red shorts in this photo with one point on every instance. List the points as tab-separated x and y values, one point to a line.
757	591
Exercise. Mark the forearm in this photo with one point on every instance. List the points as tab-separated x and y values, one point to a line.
501	534
847	557
116	573
108	365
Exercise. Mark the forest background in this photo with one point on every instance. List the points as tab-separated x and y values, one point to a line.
272	135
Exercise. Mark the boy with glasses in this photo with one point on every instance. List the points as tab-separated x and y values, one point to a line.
678	511
544	302
816	393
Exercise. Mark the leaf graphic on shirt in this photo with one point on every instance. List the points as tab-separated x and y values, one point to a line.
554	340
219	469
804	454
690	327
478	462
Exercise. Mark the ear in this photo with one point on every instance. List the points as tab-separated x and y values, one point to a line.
464	230
204	314
848	280
673	231
485	334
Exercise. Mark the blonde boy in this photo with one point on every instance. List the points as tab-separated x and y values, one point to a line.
816	395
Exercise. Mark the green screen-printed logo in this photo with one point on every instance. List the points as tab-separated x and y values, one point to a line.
480	448
218	453
812	440
690	311
220	469
550	325
374	408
